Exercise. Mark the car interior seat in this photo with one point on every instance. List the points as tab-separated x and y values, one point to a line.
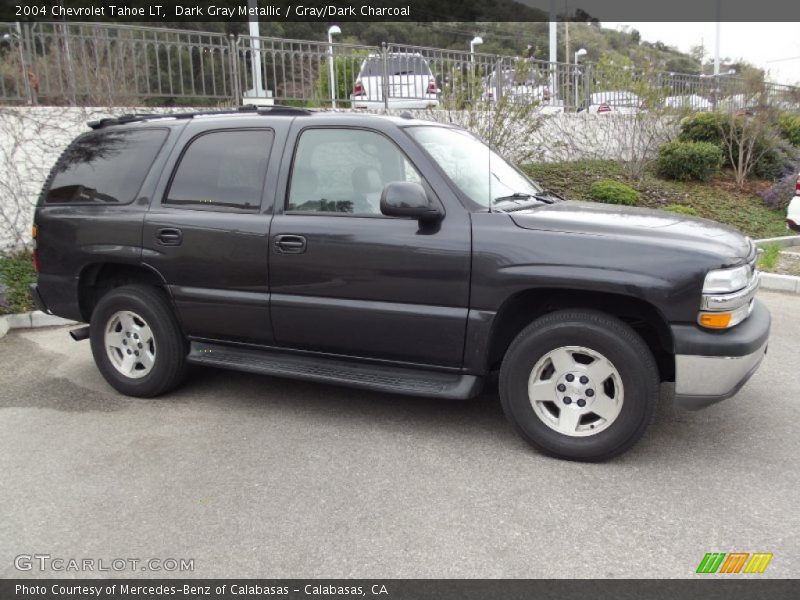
367	185
305	188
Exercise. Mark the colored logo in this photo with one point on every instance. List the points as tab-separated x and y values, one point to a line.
734	562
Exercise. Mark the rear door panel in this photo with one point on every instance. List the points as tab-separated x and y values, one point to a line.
218	274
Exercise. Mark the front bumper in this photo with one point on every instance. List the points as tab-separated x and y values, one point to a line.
711	366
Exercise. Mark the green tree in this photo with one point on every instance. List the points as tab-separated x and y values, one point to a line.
345	68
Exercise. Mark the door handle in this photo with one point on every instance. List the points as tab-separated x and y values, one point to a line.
169	236
290	244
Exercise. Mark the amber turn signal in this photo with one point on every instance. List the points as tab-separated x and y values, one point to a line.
719	320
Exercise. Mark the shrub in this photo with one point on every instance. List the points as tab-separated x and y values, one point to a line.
780	193
777	158
614	192
689	160
764	139
789	126
16	272
681	209
345	69
704	127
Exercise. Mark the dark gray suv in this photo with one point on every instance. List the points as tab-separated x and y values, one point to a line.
390	254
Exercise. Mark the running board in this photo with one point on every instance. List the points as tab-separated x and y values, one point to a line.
381	378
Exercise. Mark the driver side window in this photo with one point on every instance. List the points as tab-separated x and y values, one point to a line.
345	171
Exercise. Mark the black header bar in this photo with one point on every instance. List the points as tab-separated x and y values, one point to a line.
335	11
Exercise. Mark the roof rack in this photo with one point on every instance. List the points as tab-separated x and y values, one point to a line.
277	109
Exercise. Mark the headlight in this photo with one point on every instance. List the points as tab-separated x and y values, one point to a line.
728	297
724	281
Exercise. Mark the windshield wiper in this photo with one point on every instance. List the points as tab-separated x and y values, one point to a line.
549	194
516	201
516	196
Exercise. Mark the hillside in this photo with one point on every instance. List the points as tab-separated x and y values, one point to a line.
519	39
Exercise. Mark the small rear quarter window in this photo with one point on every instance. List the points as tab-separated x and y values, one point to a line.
105	167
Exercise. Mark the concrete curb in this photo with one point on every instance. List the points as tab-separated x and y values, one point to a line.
31	320
773	281
780	283
784	241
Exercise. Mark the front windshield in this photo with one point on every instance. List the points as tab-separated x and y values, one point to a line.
479	172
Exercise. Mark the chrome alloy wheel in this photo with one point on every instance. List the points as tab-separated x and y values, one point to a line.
129	344
575	391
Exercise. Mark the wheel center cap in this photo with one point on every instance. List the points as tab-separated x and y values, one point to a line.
575	389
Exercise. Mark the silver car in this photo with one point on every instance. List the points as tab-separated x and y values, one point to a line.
410	84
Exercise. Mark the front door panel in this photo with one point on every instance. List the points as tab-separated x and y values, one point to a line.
371	287
364	284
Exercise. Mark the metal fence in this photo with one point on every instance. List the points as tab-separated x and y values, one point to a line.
107	64
91	64
296	71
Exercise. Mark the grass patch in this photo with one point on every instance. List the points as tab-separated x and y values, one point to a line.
769	258
16	272
718	199
782	263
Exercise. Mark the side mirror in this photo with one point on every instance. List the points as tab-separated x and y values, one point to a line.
408	199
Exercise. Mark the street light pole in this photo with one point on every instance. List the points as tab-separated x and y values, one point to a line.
333	30
476	41
578	54
255	49
716	48
553	48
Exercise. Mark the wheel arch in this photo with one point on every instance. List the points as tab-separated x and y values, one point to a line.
523	307
97	279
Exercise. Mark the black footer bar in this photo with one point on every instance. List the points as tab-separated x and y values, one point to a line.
705	588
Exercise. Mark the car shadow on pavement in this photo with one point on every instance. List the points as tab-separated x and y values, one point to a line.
33	379
273	396
673	431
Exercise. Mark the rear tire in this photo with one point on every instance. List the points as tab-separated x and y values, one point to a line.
136	341
579	385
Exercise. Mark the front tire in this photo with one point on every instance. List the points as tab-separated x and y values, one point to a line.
136	341
579	385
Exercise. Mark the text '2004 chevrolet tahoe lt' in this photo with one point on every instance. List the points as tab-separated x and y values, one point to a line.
389	254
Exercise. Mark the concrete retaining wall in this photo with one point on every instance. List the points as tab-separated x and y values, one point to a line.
32	138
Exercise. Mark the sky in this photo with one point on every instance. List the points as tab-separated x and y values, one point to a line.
774	47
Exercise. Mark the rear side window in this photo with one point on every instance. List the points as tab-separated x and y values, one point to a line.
105	167
223	169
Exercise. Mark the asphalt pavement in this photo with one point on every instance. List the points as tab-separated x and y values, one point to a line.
250	476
